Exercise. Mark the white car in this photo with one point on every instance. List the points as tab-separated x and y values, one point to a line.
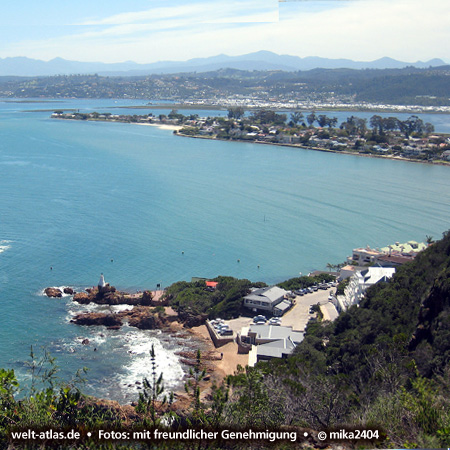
275	321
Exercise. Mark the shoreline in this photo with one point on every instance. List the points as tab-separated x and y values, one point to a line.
176	128
161	126
319	149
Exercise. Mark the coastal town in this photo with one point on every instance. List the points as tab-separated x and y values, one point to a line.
386	137
269	321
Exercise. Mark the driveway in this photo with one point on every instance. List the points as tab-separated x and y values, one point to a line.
298	316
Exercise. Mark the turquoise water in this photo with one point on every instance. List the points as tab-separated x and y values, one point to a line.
76	195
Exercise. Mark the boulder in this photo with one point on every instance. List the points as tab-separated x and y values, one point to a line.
53	292
109	320
69	291
82	298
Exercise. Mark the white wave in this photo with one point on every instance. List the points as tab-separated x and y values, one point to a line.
4	245
119	308
139	344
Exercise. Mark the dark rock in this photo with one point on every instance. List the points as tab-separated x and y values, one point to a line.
85	342
53	292
146	298
82	298
69	291
190	320
109	320
141	317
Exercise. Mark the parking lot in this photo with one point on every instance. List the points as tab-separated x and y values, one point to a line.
297	317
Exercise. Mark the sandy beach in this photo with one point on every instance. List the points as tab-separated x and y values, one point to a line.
163	126
231	359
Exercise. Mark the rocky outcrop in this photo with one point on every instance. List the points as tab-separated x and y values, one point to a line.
53	292
108	295
140	317
69	291
108	320
192	320
144	319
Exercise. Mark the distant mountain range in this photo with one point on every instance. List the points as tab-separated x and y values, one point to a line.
263	60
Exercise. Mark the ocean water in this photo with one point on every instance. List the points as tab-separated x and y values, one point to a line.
146	207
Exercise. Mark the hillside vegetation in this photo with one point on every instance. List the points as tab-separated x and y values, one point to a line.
382	365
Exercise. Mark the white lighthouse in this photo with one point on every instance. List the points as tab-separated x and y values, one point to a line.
101	283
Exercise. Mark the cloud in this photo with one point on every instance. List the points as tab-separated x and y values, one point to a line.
197	12
364	30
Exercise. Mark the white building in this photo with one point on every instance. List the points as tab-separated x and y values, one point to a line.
269	341
364	256
359	283
271	300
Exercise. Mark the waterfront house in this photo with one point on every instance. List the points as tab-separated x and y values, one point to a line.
359	283
272	300
446	155
270	341
346	272
364	256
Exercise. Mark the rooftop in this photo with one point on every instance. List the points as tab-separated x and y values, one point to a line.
276	332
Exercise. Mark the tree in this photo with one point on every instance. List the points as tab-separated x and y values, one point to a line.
377	123
332	122
152	390
192	387
322	120
251	406
296	117
311	118
266	116
236	112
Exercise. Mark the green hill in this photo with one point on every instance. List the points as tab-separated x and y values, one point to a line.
384	363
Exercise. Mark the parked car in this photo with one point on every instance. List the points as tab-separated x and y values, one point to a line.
275	321
259	319
226	332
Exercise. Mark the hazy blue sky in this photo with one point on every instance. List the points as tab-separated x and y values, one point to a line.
149	30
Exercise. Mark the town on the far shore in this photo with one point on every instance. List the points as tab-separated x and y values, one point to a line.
386	137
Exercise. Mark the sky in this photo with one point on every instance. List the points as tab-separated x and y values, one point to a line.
147	31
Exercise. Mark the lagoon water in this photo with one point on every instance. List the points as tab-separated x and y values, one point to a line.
145	207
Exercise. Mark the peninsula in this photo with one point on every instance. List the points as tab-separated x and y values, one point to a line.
385	137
